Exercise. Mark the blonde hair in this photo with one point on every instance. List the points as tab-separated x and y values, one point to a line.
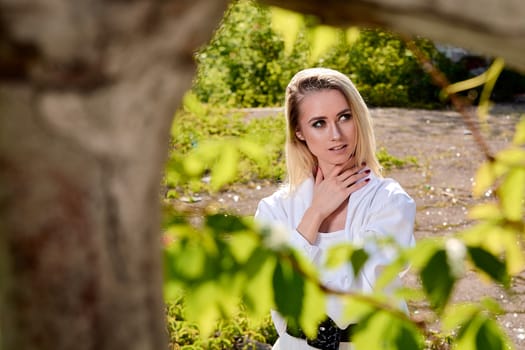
300	162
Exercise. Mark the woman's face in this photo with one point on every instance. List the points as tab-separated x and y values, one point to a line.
327	126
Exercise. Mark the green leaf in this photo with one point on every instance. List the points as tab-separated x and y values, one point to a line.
485	211
466	84
314	308
491	337
466	336
438	280
512	156
383	331
322	38
358	259
194	166
408	337
356	308
291	287
489	264
258	294
225	167
344	253
457	315
190	262
481	332
225	223
484	179
287	24
390	272
242	245
422	252
352	35
192	104
202	307
512	192
510	239
338	255
252	150
492	306
374	332
492	74
498	239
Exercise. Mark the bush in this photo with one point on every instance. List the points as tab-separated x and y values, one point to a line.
386	72
190	130
245	64
232	334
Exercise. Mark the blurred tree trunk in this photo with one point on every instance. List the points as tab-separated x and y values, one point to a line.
87	93
88	90
488	27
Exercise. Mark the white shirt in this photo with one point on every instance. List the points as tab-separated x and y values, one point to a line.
378	210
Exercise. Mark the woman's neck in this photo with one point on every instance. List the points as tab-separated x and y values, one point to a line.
327	168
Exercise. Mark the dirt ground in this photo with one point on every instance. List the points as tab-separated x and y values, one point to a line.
447	158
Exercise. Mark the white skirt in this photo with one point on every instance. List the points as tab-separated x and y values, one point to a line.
287	342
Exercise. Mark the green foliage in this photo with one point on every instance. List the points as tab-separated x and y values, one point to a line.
208	140
385	70
245	65
395	333
388	161
256	51
238	333
226	146
226	261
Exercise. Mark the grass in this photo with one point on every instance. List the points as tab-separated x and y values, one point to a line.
191	129
240	333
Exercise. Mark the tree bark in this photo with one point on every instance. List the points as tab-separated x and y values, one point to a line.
87	94
492	28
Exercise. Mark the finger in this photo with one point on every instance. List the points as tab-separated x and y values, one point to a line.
353	176
357	185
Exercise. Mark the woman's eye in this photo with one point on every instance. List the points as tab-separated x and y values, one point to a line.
318	124
346	116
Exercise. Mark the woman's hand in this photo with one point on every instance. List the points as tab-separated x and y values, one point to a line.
330	191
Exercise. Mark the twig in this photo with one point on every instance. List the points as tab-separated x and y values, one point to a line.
458	102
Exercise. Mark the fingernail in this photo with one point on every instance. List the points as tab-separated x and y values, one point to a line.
367	179
363	164
367	171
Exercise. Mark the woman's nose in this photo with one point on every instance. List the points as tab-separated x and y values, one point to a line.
336	133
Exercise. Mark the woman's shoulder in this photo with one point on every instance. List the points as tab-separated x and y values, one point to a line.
391	186
388	190
280	194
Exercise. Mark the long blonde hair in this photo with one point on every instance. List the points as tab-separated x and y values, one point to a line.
300	162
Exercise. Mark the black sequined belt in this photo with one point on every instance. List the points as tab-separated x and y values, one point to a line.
329	335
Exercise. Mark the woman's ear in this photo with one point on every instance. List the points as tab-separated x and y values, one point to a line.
299	135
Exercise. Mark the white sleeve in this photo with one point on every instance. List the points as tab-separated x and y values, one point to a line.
271	212
393	218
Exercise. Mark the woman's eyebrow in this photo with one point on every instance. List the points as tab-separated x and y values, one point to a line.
316	118
322	117
346	110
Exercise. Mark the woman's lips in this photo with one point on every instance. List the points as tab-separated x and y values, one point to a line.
337	148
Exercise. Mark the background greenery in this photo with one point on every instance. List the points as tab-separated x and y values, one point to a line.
206	124
227	259
247	63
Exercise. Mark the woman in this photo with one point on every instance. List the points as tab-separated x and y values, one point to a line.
334	194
